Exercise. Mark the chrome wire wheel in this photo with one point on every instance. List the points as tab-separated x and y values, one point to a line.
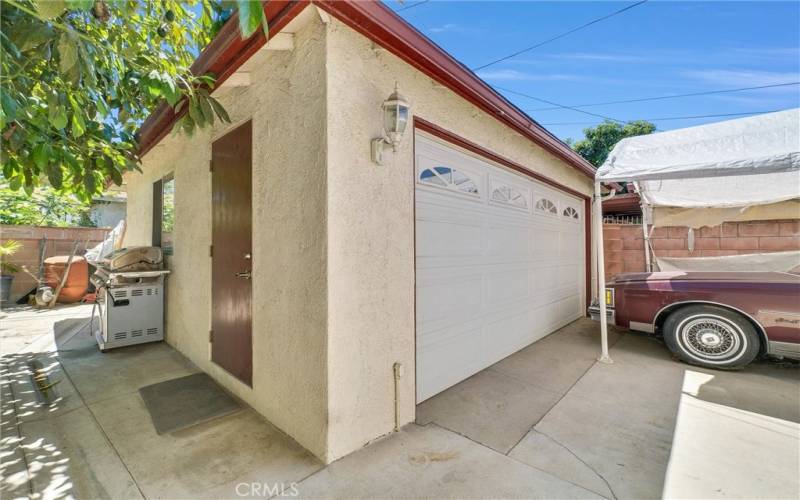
711	336
712	339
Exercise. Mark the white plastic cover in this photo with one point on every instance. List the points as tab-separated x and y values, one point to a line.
776	261
113	241
754	160
714	216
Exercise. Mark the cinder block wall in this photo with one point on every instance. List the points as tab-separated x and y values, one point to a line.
624	244
59	242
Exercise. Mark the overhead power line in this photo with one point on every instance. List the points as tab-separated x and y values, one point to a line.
411	6
557	105
670	118
674	96
562	35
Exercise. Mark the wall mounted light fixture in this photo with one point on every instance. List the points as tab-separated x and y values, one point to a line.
395	119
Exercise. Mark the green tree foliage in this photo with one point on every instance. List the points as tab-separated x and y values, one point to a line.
44	207
600	140
78	77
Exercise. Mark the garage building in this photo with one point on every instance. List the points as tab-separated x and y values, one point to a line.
328	291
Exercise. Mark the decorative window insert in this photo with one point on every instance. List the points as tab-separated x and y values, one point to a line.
449	178
546	206
509	196
571	213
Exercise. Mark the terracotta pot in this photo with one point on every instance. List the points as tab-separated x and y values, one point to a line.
77	282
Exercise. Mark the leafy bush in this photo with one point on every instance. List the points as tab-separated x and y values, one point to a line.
44	207
8	249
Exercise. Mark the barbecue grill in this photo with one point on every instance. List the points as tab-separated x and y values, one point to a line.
130	294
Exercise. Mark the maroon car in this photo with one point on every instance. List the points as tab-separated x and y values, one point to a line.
711	319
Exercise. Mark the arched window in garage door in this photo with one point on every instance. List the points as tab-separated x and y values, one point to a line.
449	178
546	206
509	196
570	213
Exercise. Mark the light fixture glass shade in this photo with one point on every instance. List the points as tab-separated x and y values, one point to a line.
395	118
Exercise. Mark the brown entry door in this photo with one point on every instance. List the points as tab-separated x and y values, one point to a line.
231	261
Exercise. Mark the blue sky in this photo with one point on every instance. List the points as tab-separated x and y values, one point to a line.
658	48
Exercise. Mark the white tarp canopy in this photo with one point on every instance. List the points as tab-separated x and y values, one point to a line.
730	165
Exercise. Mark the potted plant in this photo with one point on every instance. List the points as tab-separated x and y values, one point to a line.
7	269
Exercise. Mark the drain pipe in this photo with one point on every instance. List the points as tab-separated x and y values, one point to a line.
397	369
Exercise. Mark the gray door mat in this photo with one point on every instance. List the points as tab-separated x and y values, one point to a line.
182	402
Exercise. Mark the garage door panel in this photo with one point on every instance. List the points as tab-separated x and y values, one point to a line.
567	276
431	202
507	287
448	357
448	238
448	296
509	334
545	280
571	244
494	273
544	242
507	240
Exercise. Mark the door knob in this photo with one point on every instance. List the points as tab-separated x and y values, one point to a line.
246	275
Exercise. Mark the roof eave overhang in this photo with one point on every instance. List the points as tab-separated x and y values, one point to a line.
222	57
380	24
628	203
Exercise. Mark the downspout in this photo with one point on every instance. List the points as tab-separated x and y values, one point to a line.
601	272
397	370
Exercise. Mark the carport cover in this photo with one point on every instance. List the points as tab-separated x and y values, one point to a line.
735	163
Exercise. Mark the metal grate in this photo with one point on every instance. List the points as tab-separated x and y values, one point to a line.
152	331
137	293
136	333
120	294
623	219
120	335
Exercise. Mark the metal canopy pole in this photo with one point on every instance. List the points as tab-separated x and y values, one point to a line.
648	266
601	273
644	206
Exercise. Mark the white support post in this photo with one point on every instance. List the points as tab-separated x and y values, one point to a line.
647	266
601	273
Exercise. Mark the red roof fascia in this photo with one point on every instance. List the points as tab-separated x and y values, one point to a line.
379	23
222	57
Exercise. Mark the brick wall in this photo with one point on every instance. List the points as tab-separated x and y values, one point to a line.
59	242
624	244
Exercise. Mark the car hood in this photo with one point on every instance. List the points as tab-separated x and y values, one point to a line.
750	277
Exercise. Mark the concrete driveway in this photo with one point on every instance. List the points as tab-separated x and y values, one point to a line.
547	422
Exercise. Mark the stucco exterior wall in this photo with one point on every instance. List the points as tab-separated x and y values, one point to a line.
287	103
333	233
371	229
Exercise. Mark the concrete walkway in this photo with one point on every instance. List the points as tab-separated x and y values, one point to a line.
547	422
610	428
97	441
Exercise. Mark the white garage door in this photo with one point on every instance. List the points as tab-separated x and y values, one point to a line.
499	263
